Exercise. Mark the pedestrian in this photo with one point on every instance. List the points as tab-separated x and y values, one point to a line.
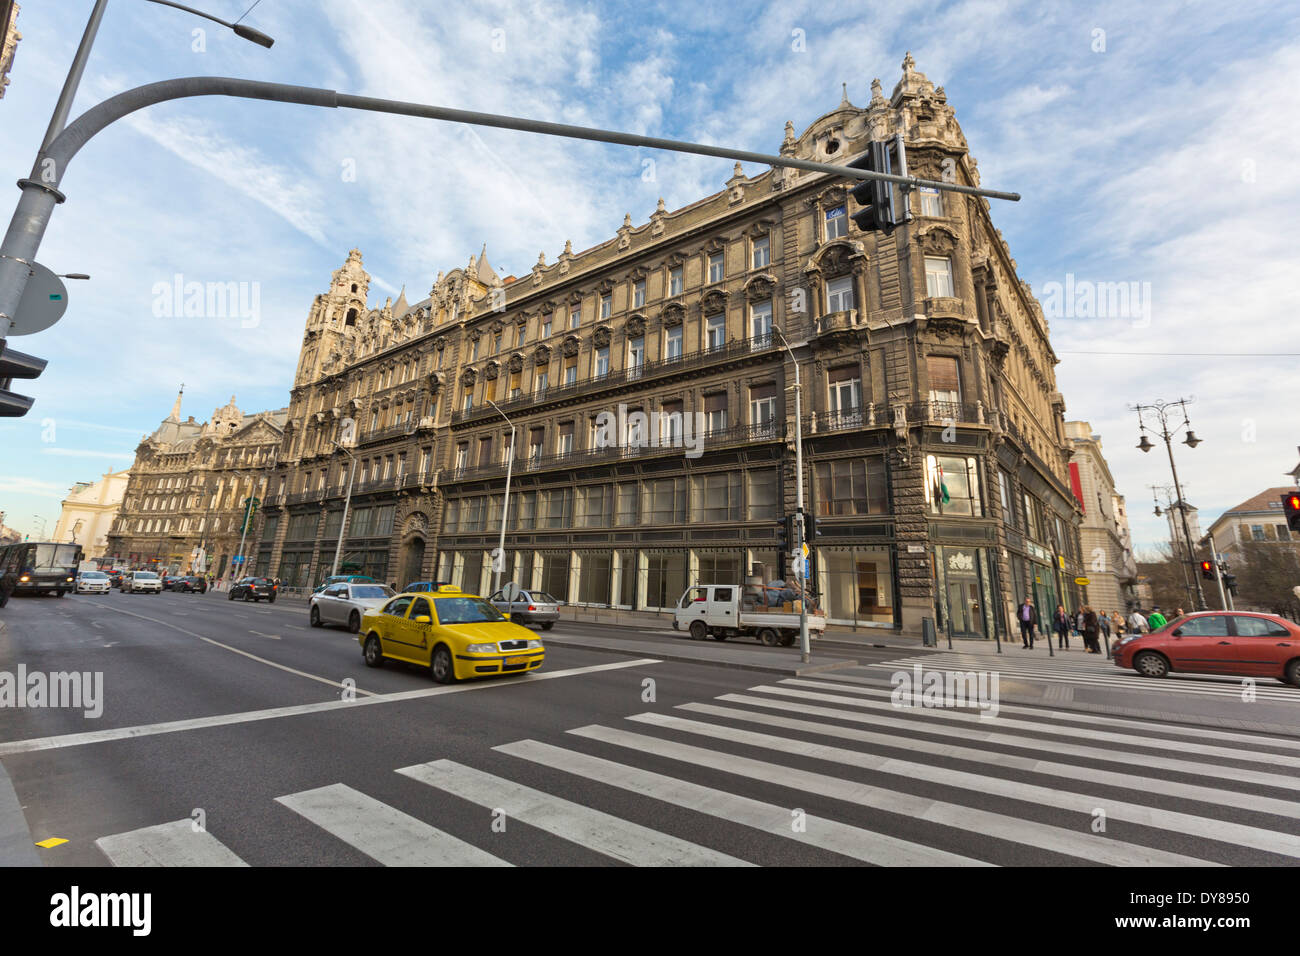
1178	613
1078	622
1136	622
1025	614
1061	624
1156	620
1090	628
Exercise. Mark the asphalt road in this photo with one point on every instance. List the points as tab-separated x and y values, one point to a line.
585	762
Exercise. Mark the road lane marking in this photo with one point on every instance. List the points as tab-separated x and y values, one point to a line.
1081	801
1080	842
294	710
594	829
382	832
865	845
168	844
274	637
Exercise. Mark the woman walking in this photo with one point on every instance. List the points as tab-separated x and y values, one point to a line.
1090	630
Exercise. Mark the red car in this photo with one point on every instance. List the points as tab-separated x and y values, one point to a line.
1236	643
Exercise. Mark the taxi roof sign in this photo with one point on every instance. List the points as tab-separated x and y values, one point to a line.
449	589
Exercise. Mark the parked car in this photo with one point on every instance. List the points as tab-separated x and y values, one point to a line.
253	589
343	578
191	583
144	582
1235	643
416	587
346	604
93	582
529	608
455	635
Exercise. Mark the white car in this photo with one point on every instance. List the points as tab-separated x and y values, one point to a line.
143	581
93	582
345	603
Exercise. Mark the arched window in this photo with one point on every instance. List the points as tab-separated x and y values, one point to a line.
352	314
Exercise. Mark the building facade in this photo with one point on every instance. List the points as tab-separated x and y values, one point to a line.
89	511
1259	518
650	384
188	486
1104	533
9	37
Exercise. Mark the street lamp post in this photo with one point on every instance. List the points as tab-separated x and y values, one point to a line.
248	518
1161	411
347	502
500	561
1168	493
805	652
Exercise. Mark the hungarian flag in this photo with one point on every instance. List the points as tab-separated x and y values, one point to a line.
941	488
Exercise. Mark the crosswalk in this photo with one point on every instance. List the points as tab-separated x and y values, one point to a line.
816	769
1091	671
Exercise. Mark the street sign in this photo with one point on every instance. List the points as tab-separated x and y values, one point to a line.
510	591
43	303
1082	582
805	552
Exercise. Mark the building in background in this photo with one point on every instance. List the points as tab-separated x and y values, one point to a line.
1177	539
934	457
188	485
1259	518
89	511
9	37
1107	547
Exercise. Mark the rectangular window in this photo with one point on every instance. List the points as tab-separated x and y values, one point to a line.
931	202
555	575
629	504
557	508
715	412
595	505
670	423
575	317
496	344
762	404
473	352
938	277
762	499
845	385
606	305
635	356
1008	500
715	332
541	379
516	385
536	440
944	381
484	452
462	456
952	485
715	497
673	343
570	371
451	516
564	440
468	404
546	325
760	322
664	501
762	252
600	363
716	269
837	223
594	579
638	293
851	486
839	294
1031	518
675	281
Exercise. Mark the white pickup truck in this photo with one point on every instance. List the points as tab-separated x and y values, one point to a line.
721	611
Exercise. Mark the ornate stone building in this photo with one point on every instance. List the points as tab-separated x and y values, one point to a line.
89	511
188	485
650	381
1104	534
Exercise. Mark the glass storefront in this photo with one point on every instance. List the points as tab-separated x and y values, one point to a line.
857	585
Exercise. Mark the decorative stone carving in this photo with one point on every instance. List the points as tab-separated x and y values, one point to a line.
636	325
492	370
468	377
571	346
542	355
760	287
516	362
937	240
600	338
713	302
674	314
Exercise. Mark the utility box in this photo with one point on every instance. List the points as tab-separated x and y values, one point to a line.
929	637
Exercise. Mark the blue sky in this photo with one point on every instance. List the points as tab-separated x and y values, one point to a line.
1158	151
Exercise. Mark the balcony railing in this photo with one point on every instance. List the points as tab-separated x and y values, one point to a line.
394	431
586	457
874	415
635	373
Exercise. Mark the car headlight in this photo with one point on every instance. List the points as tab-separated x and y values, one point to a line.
534	644
481	649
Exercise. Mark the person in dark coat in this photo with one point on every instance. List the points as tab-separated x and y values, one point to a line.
1090	630
1061	624
1025	615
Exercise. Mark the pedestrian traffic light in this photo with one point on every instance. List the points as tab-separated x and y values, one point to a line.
784	534
15	364
1291	505
1207	570
875	196
1230	582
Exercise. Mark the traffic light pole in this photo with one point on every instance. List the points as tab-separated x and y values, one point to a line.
1218	573
40	191
805	651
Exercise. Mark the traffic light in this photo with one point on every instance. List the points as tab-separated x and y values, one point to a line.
875	196
1230	582
1207	570
1291	505
15	364
785	534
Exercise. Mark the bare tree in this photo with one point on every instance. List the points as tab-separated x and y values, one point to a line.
1267	571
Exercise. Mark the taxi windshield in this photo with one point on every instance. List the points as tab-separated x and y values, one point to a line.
466	610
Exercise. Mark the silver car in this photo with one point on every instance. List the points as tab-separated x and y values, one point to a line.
345	603
529	608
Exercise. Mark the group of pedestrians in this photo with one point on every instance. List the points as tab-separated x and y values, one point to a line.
1089	624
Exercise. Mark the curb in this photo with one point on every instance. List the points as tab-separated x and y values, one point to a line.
16	845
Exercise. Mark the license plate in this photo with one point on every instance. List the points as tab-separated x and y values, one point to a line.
512	661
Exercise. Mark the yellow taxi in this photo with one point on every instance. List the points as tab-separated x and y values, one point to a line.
454	634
